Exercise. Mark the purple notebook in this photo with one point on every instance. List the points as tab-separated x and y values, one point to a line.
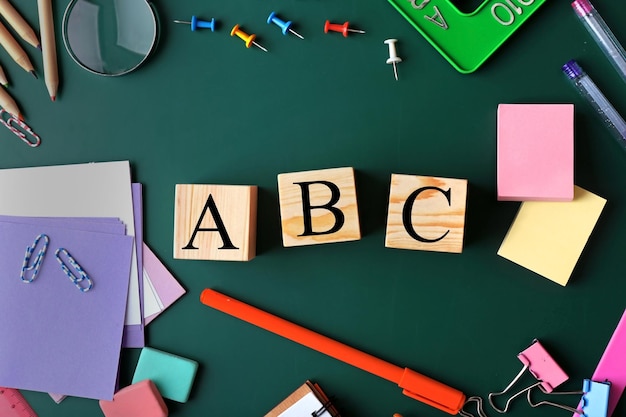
56	338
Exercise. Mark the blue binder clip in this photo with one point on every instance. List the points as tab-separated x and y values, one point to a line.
594	401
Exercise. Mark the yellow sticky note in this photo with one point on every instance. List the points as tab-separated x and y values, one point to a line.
548	237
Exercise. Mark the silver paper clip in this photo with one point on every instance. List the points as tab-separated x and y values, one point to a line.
20	129
479	407
542	366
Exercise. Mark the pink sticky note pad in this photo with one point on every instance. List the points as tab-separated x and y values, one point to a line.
138	400
535	152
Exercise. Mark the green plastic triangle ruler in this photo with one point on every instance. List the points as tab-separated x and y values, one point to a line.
466	40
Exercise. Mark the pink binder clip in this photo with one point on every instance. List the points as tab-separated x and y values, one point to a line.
541	366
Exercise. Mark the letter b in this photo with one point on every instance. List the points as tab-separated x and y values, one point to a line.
318	207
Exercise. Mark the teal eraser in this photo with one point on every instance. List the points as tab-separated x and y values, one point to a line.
173	375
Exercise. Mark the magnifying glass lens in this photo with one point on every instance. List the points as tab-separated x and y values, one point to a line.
109	37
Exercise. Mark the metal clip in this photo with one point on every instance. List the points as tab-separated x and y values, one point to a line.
27	266
77	268
542	366
594	401
479	407
22	130
323	409
553	404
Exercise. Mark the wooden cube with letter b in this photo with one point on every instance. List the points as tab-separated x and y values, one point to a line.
215	222
318	207
426	213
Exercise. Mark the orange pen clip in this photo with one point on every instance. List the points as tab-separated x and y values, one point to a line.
413	384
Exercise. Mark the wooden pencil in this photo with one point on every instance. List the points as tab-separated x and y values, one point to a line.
48	47
8	104
18	23
3	78
14	49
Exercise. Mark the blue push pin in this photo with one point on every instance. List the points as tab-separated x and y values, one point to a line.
284	26
197	23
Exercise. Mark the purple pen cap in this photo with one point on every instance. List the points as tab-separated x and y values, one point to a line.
582	7
572	69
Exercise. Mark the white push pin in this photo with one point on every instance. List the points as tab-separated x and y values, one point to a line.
393	56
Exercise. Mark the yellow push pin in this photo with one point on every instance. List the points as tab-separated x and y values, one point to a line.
248	39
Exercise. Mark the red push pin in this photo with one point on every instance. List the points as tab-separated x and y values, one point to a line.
336	27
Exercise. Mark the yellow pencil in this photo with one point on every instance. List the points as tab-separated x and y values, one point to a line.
48	47
8	104
14	49
18	23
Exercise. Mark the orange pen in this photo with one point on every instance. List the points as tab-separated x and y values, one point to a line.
413	384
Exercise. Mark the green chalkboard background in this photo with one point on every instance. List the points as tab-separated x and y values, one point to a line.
204	109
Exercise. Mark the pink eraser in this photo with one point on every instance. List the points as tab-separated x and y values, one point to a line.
535	152
138	400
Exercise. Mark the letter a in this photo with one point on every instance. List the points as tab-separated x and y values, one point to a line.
224	213
437	19
210	204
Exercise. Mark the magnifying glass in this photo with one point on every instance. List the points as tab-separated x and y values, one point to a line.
110	37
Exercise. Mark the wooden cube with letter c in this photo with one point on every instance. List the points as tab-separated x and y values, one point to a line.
215	222
318	207
426	213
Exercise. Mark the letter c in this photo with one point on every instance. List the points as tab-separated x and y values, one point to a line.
408	209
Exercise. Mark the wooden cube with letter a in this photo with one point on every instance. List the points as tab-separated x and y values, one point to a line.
426	213
215	222
318	207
